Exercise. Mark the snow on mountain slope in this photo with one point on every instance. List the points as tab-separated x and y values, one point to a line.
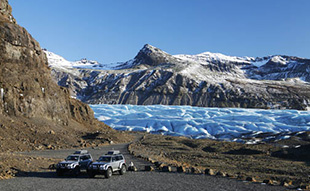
197	122
265	68
214	57
56	61
206	80
208	57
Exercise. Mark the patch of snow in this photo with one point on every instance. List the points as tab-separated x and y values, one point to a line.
258	62
56	61
207	57
280	60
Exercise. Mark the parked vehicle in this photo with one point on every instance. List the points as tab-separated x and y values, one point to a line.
111	162
74	163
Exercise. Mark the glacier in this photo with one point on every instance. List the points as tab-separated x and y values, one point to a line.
200	122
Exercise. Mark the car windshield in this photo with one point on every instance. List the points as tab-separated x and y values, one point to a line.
74	158
104	159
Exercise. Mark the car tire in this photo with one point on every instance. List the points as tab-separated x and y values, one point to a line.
123	170
108	173
76	171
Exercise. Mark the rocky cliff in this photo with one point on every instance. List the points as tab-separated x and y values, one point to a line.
35	112
208	80
6	12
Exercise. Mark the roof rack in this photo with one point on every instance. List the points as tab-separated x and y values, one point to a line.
81	152
113	152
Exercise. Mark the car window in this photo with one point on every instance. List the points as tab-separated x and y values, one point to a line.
119	157
113	159
72	158
105	159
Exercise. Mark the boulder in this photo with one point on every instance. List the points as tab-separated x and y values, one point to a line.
166	169
181	169
132	168
220	173
286	183
268	181
195	170
250	179
157	164
149	168
210	172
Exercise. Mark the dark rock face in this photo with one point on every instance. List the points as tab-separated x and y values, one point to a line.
26	86
31	103
149	87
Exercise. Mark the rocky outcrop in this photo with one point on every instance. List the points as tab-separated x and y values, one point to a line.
26	86
282	68
31	103
151	57
6	12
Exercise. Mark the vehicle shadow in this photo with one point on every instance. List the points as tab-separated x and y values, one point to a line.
52	174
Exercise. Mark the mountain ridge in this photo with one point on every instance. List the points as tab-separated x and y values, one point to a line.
207	79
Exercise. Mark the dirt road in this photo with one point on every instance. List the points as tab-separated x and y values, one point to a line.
140	180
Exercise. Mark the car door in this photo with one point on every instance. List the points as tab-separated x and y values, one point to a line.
114	163
88	160
83	162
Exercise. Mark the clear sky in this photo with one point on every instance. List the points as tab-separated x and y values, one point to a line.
115	30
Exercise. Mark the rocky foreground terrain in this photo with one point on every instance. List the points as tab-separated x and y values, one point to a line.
206	80
35	113
284	162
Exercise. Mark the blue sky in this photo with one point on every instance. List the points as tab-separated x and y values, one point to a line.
115	30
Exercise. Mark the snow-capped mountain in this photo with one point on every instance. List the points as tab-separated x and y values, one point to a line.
207	79
56	61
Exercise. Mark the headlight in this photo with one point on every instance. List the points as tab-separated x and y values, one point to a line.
71	165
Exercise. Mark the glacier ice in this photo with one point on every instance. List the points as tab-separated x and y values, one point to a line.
199	122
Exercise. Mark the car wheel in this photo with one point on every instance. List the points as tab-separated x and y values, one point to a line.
123	170
76	171
108	173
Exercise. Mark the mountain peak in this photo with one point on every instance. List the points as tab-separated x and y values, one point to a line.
148	49
150	56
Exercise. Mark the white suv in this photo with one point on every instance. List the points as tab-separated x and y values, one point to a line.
111	162
74	163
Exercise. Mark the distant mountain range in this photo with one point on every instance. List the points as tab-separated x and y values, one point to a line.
207	79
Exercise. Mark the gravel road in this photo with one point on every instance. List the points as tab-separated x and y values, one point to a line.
140	180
